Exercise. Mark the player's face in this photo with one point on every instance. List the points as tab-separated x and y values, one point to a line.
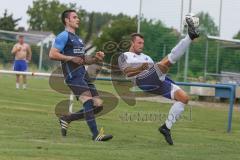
73	20
21	40
138	45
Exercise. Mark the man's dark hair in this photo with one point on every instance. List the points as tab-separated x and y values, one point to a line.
65	14
134	35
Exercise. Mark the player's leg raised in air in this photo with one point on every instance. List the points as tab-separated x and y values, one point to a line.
179	95
178	51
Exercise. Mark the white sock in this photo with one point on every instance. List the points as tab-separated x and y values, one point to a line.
174	113
179	49
24	86
17	85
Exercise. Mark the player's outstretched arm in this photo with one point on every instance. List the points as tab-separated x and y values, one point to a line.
97	58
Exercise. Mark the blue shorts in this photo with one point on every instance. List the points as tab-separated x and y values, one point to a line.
78	85
20	65
151	83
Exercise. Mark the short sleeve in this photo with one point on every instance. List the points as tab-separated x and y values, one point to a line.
60	41
122	61
150	59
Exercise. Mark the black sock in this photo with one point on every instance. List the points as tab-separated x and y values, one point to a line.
74	116
80	114
97	109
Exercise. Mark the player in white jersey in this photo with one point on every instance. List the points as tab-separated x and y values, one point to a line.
151	77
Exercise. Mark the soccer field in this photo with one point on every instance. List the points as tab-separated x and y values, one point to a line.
29	129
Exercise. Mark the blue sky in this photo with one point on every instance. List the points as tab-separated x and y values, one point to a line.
168	11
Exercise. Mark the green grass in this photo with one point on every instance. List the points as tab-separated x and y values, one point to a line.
29	130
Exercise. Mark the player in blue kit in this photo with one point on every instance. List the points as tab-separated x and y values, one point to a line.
70	50
151	77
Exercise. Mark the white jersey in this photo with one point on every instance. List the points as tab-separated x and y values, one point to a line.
130	59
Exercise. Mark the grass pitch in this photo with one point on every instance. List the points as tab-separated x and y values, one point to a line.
29	129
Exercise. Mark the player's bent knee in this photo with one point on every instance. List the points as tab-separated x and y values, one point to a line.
181	96
185	99
85	97
97	101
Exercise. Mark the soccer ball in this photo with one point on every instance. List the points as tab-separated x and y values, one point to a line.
194	18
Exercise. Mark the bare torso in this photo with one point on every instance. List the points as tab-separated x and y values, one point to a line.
22	51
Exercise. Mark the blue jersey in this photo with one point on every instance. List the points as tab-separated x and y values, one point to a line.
70	44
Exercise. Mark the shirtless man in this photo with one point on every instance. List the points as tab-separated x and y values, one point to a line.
23	54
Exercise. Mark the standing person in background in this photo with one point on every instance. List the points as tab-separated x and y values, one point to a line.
23	55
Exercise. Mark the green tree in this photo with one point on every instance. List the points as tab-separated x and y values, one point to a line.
157	36
114	34
102	19
5	52
237	36
207	24
230	56
96	22
46	15
7	22
158	39
198	48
